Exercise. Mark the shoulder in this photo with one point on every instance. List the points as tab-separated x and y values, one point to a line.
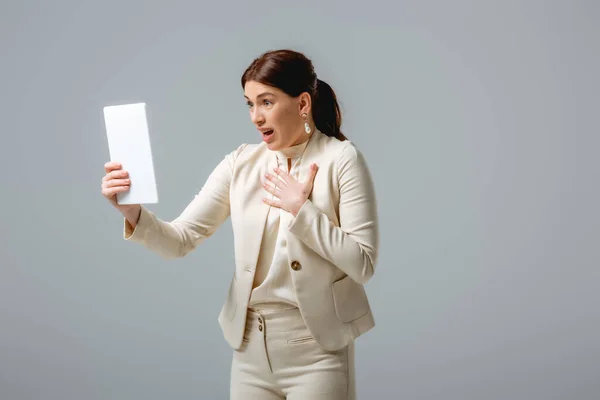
345	152
334	147
235	153
246	154
243	150
349	160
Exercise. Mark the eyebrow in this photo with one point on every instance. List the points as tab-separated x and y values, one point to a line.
261	95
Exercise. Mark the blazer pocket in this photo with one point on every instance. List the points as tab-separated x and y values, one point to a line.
300	340
349	299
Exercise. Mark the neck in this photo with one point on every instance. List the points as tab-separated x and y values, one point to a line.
302	139
295	150
303	136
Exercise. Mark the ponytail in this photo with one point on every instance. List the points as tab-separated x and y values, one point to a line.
326	111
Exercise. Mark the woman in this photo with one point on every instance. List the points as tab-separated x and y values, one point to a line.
305	226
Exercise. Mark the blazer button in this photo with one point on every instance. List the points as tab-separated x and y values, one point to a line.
296	265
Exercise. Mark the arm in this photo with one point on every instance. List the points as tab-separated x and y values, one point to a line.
353	246
198	221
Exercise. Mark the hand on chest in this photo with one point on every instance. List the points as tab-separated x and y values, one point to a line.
320	184
277	177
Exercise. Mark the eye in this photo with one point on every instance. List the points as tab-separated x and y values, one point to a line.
267	102
249	104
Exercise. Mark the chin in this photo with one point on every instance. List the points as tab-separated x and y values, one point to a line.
273	146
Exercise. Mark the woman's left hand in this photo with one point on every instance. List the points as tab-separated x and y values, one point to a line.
291	194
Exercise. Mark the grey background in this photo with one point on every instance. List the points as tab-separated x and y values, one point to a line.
477	120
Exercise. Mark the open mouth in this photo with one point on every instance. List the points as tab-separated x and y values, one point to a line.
267	135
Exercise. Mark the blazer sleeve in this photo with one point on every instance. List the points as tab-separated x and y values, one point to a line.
353	246
198	221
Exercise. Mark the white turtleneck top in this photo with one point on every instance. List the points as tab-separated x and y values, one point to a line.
273	287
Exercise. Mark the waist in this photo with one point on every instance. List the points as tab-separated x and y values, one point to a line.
277	319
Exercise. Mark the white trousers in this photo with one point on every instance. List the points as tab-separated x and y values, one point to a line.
279	359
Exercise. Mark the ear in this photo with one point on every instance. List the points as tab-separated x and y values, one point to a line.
305	103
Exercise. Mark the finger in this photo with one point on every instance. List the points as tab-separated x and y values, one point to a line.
117	174
116	182
311	177
111	166
313	172
272	203
275	179
310	182
114	190
274	190
282	175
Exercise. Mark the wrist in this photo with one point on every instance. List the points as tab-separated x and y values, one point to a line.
298	208
132	214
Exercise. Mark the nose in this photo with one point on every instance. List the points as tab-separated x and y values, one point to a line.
256	116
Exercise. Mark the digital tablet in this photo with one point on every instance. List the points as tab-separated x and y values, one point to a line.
129	144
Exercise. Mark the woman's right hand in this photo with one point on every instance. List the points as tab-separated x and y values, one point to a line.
116	181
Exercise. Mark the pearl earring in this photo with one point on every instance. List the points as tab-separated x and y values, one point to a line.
306	126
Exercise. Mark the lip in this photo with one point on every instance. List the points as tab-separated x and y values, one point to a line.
267	138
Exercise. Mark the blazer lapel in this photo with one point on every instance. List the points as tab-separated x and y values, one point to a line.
257	210
311	154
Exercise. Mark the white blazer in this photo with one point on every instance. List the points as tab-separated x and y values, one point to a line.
332	242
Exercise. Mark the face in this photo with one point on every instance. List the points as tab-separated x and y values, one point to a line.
276	115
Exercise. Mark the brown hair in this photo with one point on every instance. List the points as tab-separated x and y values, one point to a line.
293	73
